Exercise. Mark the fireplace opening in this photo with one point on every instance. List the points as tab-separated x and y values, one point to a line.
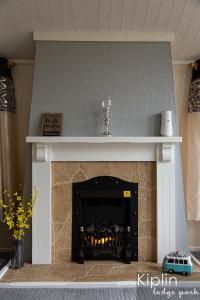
105	219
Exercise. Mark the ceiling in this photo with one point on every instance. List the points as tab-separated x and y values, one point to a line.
18	18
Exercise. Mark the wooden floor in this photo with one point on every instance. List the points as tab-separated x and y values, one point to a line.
90	271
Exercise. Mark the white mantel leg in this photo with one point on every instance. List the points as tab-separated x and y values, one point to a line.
166	226
41	221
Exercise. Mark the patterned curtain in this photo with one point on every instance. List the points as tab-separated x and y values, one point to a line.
193	167
8	161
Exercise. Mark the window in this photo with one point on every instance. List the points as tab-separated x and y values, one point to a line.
176	261
170	261
181	262
185	262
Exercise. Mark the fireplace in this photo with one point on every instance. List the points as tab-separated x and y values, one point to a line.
105	219
51	223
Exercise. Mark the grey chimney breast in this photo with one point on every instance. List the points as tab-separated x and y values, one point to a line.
74	77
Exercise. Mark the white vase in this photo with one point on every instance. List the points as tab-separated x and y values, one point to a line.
166	123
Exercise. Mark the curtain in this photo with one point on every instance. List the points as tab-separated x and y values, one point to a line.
8	161
193	161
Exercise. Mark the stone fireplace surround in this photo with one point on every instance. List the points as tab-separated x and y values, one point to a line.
64	174
47	152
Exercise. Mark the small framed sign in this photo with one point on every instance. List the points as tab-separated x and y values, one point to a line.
51	124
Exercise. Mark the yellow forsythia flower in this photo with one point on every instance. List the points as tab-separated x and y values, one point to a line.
20	210
10	224
2	204
17	213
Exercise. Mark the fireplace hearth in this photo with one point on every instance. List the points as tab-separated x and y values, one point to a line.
105	220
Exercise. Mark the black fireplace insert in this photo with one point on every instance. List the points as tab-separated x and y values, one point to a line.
105	220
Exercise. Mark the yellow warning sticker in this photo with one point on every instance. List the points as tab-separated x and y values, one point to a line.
127	194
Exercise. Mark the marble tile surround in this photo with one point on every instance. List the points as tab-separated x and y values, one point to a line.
65	173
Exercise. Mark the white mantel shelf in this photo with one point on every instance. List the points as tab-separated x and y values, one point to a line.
101	139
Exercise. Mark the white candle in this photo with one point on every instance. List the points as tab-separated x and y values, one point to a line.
102	104
109	102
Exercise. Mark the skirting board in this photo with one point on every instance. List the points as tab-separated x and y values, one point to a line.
195	248
72	285
197	262
87	285
4	269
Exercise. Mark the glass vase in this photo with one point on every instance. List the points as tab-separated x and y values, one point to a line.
17	259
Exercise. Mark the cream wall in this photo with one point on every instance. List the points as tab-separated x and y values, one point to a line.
182	78
23	80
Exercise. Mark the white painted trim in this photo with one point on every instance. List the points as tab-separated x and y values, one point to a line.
166	199
182	62
77	285
102	152
89	284
4	269
32	61
194	248
41	220
101	139
197	262
103	36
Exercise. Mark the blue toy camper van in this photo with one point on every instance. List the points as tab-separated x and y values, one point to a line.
177	262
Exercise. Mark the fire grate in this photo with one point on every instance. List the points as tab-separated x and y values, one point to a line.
101	236
104	220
